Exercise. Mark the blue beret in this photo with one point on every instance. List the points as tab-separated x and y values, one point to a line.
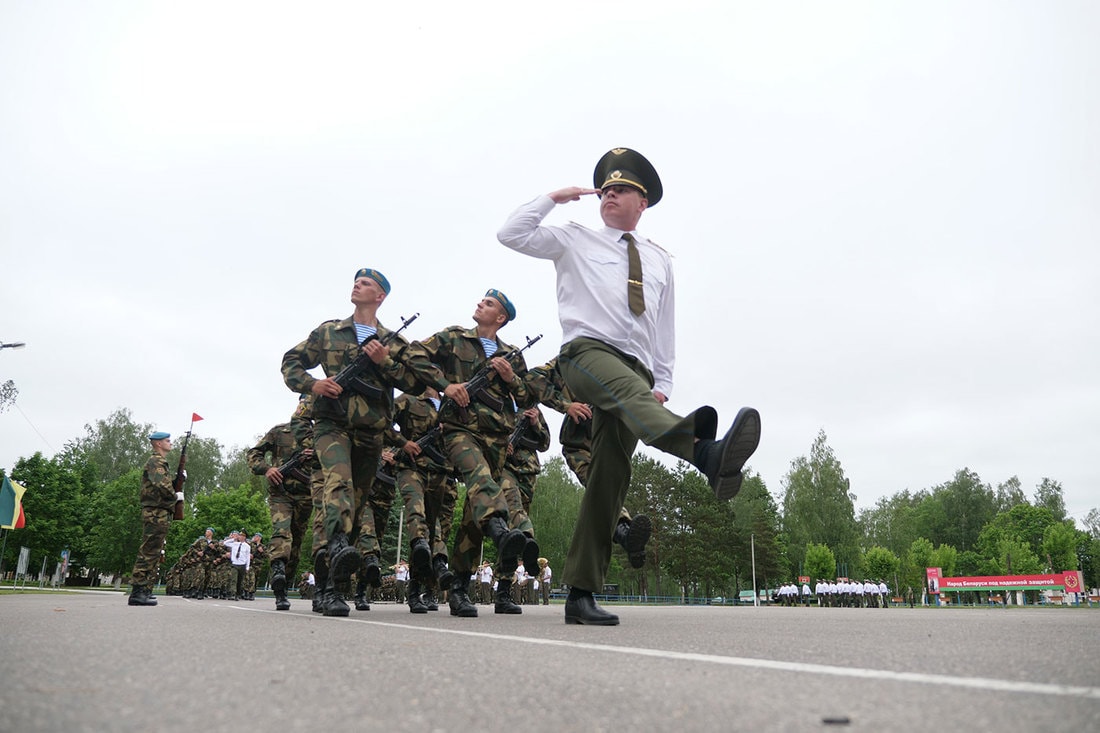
376	276
503	300
209	529
159	435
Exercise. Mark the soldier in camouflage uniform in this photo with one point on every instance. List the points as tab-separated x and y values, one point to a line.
475	436
158	500
348	430
288	497
255	567
575	436
521	468
422	481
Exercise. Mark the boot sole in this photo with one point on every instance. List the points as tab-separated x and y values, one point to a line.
345	564
511	545
740	443
530	554
422	560
636	538
576	620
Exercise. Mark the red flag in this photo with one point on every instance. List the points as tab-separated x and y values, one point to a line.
195	417
22	521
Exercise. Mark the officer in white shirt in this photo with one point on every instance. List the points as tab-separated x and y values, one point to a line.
240	557
616	305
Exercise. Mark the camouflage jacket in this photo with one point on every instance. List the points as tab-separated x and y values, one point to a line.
455	355
415	416
334	345
156	484
281	442
550	389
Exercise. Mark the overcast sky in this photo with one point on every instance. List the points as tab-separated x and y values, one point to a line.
884	217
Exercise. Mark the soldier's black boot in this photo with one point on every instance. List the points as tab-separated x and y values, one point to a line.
509	542
343	559
140	596
459	600
429	599
504	602
633	534
530	554
372	571
421	557
361	603
335	605
278	576
443	575
416	603
320	574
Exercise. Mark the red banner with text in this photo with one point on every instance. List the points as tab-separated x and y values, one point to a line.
1069	581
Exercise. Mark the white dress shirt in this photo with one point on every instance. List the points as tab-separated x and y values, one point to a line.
240	553
592	271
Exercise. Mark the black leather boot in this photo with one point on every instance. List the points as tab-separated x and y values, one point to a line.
320	574
443	575
335	605
416	603
421	557
459	600
504	602
278	577
633	535
509	542
429	599
361	603
343	559
530	554
140	596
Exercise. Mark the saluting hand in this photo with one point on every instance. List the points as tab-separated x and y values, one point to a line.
572	193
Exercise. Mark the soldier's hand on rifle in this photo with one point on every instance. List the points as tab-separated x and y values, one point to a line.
326	388
274	476
503	367
458	393
388	457
376	351
307	453
579	412
411	448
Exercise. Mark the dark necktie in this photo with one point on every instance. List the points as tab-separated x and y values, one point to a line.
238	552
635	295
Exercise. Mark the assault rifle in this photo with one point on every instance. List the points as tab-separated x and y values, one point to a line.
293	467
181	476
517	434
351	376
478	385
428	446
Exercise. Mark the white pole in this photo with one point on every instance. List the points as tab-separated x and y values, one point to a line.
400	526
755	594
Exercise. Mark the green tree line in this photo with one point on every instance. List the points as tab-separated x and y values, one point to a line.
85	500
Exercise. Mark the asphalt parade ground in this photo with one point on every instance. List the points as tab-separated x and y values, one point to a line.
85	661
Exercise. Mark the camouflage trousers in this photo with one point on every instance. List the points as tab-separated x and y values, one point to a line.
381	497
422	491
349	461
479	459
289	516
578	459
518	488
154	530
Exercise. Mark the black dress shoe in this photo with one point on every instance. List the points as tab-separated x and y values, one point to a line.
721	461
582	609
